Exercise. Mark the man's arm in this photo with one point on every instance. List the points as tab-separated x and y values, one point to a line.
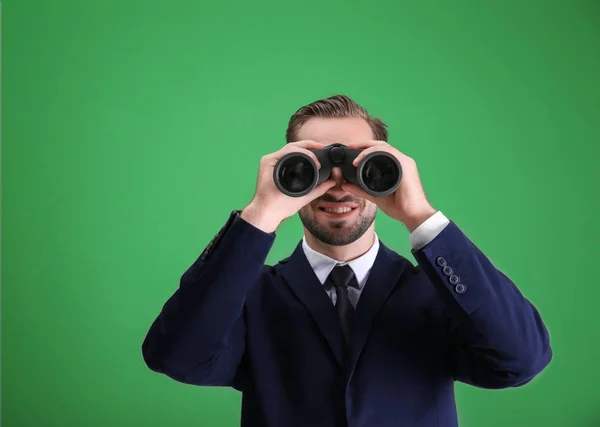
198	337
498	337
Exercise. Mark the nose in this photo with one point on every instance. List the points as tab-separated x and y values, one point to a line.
337	191
338	177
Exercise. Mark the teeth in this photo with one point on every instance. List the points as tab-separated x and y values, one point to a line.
337	210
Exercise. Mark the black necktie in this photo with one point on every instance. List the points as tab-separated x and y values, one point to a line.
341	277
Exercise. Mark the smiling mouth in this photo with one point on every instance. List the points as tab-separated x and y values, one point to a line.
337	210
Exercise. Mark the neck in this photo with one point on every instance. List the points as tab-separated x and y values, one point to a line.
343	253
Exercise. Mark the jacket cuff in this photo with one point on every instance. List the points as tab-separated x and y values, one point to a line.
456	267
239	230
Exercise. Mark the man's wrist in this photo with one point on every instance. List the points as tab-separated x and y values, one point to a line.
413	222
259	218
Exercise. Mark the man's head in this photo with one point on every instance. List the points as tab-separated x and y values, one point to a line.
336	119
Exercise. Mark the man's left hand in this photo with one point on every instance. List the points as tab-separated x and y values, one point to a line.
408	204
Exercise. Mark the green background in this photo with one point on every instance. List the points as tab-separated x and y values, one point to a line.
132	128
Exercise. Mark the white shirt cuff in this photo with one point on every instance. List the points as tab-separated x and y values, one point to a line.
427	231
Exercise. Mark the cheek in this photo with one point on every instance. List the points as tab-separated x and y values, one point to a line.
307	210
369	207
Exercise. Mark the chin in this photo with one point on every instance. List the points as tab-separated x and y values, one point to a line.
336	228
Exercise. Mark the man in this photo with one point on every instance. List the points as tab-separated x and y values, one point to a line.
345	332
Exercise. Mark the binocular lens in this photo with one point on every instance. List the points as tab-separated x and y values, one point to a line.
296	174
380	173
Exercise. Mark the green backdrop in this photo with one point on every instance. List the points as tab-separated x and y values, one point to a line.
131	129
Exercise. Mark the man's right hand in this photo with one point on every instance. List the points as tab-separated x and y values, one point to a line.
270	207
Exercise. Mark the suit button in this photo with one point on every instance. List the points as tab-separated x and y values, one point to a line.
441	261
460	288
448	270
454	279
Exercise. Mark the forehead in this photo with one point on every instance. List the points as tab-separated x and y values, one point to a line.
330	130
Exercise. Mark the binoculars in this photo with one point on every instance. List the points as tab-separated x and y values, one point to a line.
378	174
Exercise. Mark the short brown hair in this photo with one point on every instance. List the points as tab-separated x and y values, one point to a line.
334	106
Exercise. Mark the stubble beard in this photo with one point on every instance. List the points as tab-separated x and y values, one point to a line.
336	232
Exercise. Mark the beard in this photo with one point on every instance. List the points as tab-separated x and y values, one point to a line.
336	232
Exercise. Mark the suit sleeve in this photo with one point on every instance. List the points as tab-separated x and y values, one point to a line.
199	335
498	338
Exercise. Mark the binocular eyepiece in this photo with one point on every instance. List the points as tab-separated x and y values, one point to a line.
378	174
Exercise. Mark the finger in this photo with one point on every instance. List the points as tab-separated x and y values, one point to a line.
357	191
304	146
308	153
365	144
366	152
294	149
309	144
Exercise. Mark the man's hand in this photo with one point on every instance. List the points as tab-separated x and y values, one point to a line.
408	204
270	207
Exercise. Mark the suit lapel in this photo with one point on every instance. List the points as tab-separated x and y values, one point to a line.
301	278
383	278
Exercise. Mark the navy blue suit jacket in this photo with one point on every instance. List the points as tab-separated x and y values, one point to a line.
272	333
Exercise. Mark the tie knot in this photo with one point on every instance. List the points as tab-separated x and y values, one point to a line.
342	275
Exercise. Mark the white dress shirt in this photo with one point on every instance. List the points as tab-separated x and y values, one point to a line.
322	264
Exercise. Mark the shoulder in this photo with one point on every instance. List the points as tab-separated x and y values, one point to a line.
270	271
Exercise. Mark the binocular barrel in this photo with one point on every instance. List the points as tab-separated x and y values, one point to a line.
378	174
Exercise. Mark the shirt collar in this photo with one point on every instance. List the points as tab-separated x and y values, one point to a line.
323	265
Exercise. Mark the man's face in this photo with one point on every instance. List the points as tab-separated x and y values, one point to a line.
337	218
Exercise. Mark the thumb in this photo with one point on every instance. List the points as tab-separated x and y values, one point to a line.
319	190
357	191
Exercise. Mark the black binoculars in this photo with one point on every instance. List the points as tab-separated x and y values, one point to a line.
378	174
